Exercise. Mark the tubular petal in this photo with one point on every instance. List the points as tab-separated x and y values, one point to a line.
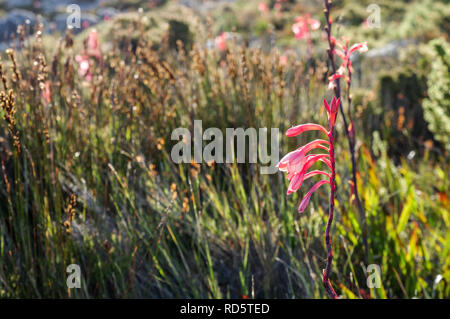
302	175
325	103
340	54
361	47
315	24
307	197
315	172
295	183
335	76
296	130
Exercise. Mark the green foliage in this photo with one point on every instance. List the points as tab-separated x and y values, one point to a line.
426	19
437	105
146	227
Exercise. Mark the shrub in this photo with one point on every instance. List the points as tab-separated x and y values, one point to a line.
437	106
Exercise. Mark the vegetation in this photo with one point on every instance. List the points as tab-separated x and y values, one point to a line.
86	176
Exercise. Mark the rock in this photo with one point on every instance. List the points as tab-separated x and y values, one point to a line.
107	13
13	19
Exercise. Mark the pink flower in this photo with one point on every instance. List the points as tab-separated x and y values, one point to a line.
46	94
297	163
342	50
263	7
92	50
85	24
84	68
278	6
93	45
284	58
332	110
221	41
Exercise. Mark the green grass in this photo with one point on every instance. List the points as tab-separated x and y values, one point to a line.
146	227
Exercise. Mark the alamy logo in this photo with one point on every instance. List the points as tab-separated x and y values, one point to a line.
374	20
74	18
74	278
374	276
235	144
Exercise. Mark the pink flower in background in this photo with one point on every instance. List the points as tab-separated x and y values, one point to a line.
342	50
302	29
92	50
92	40
221	41
85	24
263	7
93	45
84	68
46	94
303	25
297	163
279	5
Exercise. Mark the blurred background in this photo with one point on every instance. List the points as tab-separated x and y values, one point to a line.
86	176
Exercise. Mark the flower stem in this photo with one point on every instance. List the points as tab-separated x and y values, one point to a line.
326	273
351	144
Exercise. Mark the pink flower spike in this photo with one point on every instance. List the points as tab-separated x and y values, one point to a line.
46	94
263	7
361	47
335	76
339	44
336	105
340	54
312	145
288	158
93	46
297	130
294	162
92	40
315	24
331	85
333	40
326	161
221	41
303	25
297	179
300	29
305	200
312	159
